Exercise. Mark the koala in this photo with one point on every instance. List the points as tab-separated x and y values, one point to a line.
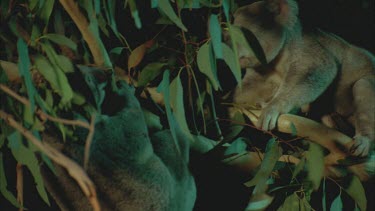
299	68
131	169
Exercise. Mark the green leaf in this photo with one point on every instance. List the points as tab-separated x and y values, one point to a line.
164	89
177	105
149	73
55	77
166	7
336	204
24	69
117	50
236	147
65	64
138	53
3	185
271	156
207	64
230	59
260	202
315	164
226	8
110	10
357	192
293	129
135	15
215	33
154	3
26	156
299	167
46	11
291	203
61	40
236	126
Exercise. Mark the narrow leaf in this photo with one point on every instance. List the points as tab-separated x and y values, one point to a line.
207	65
138	53
177	104
215	33
336	204
135	15
291	203
3	185
164	89
24	69
27	157
357	192
149	73
46	11
230	60
61	40
166	7
55	77
315	164
271	157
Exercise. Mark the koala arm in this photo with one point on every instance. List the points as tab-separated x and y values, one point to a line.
364	115
304	81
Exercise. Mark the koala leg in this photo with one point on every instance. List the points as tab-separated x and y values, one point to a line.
364	115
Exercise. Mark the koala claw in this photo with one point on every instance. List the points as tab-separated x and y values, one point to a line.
268	119
361	147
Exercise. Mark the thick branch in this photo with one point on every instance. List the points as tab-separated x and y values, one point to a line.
94	42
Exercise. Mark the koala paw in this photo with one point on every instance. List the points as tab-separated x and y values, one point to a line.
361	147
268	118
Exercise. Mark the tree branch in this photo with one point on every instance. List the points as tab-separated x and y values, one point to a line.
94	43
73	169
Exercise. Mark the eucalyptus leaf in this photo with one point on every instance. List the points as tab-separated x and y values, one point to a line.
271	156
3	185
135	15
46	10
215	33
166	7
315	164
207	64
337	204
54	75
24	66
26	156
163	88
149	73
61	40
230	60
357	192
177	104
291	203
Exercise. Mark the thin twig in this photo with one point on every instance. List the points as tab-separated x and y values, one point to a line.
89	142
73	169
39	112
19	185
13	94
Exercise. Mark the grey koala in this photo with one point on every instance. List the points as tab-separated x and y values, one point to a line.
301	66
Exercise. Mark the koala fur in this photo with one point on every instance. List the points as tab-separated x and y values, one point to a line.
301	66
131	170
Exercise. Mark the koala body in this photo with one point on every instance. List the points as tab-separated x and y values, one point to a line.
131	170
301	66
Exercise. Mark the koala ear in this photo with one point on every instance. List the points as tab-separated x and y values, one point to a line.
285	11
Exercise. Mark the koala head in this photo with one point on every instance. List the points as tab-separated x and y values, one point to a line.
272	22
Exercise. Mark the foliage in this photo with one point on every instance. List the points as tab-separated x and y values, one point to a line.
54	55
